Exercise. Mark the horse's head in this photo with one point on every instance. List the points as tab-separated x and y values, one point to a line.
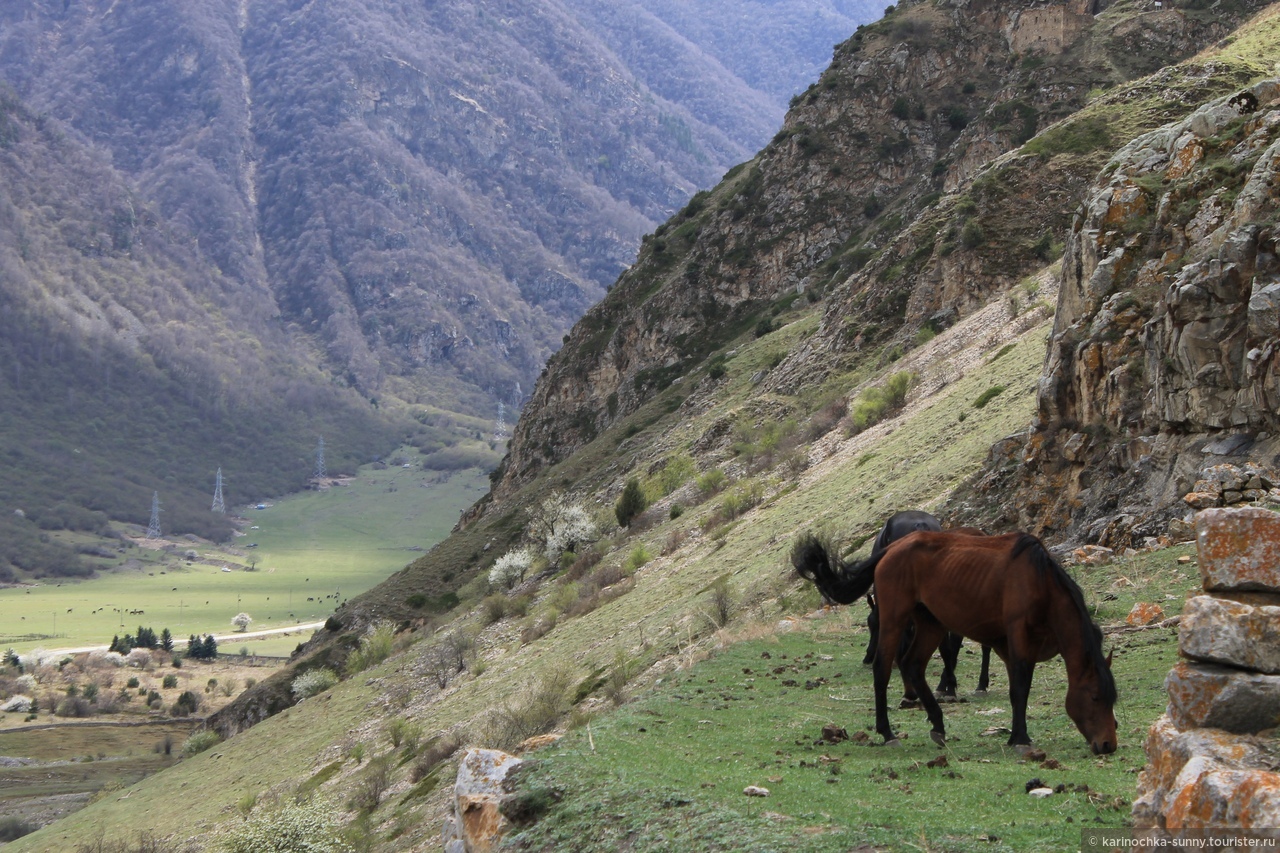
1090	703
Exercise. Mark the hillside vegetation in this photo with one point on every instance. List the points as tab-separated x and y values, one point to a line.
848	325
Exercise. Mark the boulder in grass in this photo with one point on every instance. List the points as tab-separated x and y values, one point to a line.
477	824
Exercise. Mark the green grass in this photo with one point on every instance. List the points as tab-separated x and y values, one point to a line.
668	771
325	546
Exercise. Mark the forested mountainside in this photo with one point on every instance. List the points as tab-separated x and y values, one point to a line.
251	210
129	367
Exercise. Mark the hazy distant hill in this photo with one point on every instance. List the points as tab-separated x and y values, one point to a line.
375	199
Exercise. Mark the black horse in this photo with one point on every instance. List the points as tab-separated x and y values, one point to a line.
897	526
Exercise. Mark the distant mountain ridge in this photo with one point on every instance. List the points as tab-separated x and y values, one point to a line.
402	202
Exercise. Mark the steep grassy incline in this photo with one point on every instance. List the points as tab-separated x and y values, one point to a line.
658	615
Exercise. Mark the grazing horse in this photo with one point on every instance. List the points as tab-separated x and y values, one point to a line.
1007	592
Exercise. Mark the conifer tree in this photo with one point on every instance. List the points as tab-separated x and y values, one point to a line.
631	504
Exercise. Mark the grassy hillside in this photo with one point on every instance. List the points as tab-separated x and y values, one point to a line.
662	617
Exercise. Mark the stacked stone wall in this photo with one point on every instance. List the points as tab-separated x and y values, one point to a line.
1213	759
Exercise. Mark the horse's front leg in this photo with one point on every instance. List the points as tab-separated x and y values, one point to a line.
1020	671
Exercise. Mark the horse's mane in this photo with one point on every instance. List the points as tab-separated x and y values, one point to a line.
1090	633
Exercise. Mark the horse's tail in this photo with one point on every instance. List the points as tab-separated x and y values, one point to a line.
817	560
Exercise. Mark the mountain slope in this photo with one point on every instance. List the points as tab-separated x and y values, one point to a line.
130	367
441	188
762	405
1160	388
399	205
871	199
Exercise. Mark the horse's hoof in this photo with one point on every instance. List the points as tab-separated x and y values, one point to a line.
893	743
908	703
979	693
1023	749
939	738
947	698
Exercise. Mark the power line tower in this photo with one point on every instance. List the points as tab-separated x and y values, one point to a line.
500	432
218	505
153	528
320	473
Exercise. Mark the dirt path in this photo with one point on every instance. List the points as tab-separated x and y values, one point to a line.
219	638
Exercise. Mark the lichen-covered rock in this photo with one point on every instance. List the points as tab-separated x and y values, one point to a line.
1239	549
1144	613
1169	750
1218	630
1205	695
477	823
1221	797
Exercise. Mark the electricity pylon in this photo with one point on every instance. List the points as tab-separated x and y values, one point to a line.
153	528
218	505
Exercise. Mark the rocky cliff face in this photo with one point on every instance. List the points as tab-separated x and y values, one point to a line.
1163	363
889	193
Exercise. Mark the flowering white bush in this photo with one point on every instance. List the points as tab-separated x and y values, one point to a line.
140	658
37	658
510	568
313	681
241	621
572	527
20	704
310	828
26	683
559	524
102	657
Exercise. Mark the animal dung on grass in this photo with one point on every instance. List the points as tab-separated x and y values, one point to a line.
831	733
755	791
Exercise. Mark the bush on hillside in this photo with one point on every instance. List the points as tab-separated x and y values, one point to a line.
313	828
313	682
630	504
199	742
375	647
509	569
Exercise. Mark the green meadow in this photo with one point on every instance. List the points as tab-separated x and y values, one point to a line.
298	558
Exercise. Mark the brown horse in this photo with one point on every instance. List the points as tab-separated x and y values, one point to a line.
1004	591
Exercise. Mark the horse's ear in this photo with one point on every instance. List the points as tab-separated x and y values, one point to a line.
1109	654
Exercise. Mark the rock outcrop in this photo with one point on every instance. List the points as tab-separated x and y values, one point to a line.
1213	758
476	824
1162	383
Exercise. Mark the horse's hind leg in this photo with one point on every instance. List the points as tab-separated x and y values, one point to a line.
949	648
910	696
984	677
873	625
890	635
929	634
